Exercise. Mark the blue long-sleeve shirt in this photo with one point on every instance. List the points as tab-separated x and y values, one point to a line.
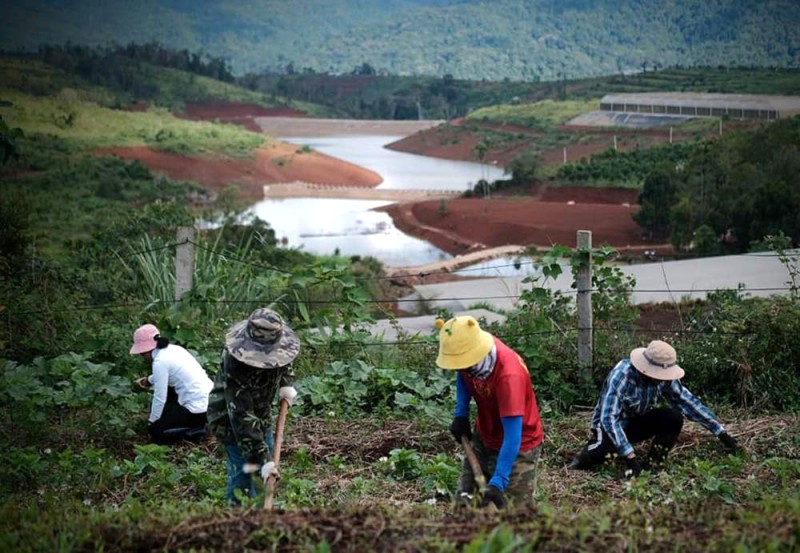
626	393
512	436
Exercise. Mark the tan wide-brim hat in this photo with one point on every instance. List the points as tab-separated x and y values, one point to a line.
462	343
658	360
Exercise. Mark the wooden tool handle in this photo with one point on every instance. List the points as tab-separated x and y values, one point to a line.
269	483
477	471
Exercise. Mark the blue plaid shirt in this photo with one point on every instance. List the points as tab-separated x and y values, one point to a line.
626	393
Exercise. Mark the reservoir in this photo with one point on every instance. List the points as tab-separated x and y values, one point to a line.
326	226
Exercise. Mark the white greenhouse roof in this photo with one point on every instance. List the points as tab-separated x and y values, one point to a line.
784	104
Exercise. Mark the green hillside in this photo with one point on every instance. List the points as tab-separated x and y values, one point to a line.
88	250
475	39
118	81
396	97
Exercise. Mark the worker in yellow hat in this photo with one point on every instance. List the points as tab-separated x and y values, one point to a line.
508	431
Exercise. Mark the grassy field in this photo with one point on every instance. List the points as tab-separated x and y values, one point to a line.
537	115
161	86
84	124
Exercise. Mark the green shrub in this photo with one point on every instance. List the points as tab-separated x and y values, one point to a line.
745	351
356	388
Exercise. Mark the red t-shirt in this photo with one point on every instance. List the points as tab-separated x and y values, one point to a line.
507	392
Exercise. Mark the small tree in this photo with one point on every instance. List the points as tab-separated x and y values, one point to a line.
706	242
656	199
480	150
523	168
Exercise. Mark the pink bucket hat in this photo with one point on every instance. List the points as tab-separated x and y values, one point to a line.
144	339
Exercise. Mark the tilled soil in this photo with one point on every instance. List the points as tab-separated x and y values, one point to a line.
566	520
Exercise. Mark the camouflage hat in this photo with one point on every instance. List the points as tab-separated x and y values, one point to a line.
263	340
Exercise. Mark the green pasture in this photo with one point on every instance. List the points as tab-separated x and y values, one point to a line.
537	115
86	125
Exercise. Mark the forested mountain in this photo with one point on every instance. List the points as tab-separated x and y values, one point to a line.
476	39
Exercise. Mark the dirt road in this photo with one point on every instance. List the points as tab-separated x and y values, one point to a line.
457	262
294	126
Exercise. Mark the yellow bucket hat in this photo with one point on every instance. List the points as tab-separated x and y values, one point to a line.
462	343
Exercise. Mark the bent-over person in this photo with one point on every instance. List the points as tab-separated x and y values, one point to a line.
627	411
180	388
508	431
256	368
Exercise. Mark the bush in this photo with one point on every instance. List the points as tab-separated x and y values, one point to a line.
747	352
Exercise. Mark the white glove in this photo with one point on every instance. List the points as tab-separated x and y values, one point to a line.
250	468
269	469
288	393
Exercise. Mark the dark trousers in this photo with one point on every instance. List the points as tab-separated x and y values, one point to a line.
663	424
177	423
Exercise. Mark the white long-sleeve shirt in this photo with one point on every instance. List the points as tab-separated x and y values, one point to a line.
176	367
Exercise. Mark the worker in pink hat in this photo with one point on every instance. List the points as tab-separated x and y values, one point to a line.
180	388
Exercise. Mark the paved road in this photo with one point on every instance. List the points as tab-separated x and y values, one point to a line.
761	274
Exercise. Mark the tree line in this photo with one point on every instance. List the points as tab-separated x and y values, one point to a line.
729	193
119	68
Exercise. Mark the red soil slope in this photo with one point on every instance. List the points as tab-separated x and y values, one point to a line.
277	163
467	224
535	216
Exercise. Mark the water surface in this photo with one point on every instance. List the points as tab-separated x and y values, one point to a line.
325	226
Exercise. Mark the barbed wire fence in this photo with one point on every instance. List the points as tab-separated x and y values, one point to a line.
185	245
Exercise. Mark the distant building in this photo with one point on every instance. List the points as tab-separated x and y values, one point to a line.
689	104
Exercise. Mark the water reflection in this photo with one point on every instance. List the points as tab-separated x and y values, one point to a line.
398	169
322	226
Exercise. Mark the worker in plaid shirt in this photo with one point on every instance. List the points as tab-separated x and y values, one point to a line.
626	412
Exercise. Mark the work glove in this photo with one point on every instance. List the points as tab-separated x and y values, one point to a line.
250	468
460	427
493	496
633	468
269	469
729	441
288	393
143	383
266	470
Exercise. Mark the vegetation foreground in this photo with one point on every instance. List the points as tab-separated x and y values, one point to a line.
368	464
377	485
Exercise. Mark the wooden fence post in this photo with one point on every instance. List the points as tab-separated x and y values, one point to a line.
184	261
584	305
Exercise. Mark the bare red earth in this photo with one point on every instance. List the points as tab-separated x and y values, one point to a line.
474	223
276	163
238	114
535	215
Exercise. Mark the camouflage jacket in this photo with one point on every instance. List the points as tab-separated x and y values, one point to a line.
240	405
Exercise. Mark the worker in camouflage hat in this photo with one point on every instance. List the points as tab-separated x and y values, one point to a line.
256	365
